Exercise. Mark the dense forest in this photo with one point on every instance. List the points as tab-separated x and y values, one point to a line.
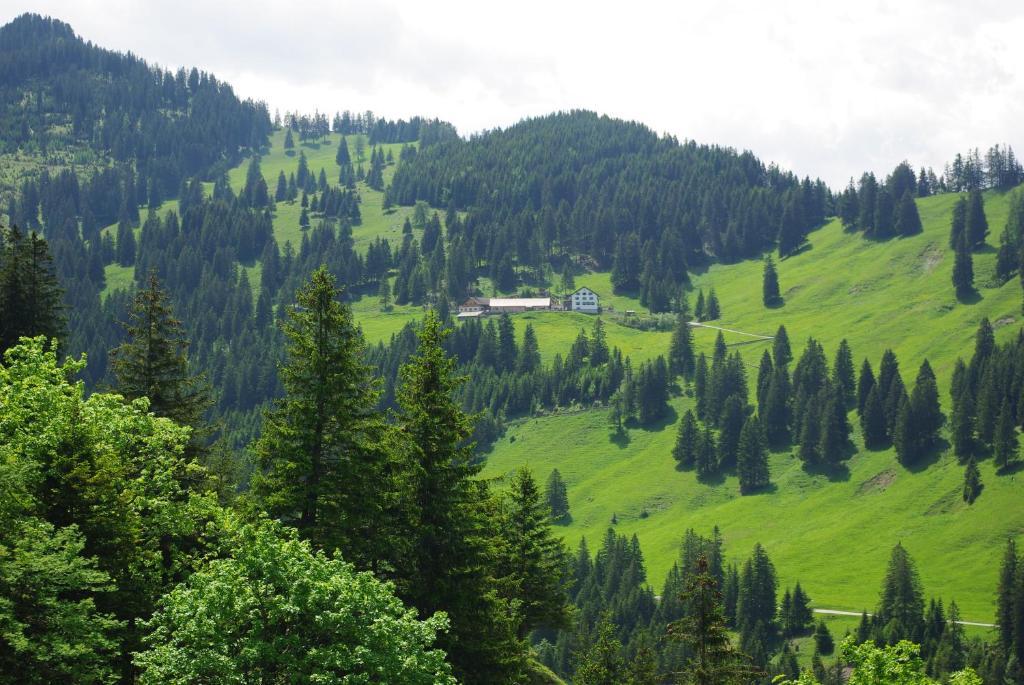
233	484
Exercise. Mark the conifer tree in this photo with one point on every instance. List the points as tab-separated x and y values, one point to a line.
872	420
31	301
687	441
557	496
533	563
529	353
963	268
924	404
680	356
281	191
698	309
712	310
752	465
603	663
706	462
125	245
843	373
153	361
446	566
507	349
1004	442
801	615
289	142
384	293
901	606
976	225
1006	597
782	354
730	425
823	643
713	660
770	294
321	453
775	412
865	382
962	423
598	344
972	481
958	223
904	437
908	221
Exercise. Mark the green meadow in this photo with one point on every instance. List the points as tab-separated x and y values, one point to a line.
832	532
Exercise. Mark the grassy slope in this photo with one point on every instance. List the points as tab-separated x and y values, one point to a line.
834	535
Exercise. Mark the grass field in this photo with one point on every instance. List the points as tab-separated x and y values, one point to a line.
832	533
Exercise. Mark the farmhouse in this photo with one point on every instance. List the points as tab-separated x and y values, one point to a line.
478	306
584	300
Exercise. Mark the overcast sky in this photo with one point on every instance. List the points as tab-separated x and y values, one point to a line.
824	92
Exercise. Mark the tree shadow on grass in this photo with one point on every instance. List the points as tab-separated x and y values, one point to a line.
715	478
661	424
1011	468
769	489
835	472
778	303
805	247
972	296
928	457
619	438
563	520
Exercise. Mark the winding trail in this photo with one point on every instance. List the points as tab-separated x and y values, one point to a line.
698	324
838	612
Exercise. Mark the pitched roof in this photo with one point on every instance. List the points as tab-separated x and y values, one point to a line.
527	302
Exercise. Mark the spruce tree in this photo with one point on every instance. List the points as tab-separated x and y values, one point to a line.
321	455
713	660
976	225
770	294
706	461
901	606
1004	442
533	563
775	412
698	309
843	373
823	643
712	310
31	301
687	441
529	353
865	383
730	425
557	496
446	563
752	466
153	360
781	352
963	269
1006	598
905	435
962	423
924	404
507	349
908	221
872	420
972	481
680	356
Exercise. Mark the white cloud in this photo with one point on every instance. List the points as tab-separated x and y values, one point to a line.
824	90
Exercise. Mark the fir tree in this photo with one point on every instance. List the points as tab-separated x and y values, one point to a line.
770	294
31	301
962	423
972	481
1004	443
908	221
153	361
976	225
706	462
752	465
680	356
963	269
843	373
712	310
445	563
823	643
557	496
321	453
384	294
698	309
781	352
872	421
865	382
529	353
901	607
730	425
687	441
713	660
603	663
1007	600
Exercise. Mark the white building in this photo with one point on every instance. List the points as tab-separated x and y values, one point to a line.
585	300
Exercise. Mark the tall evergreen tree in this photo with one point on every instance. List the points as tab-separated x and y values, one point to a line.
31	301
843	373
900	613
782	354
712	310
1006	597
770	294
713	660
446	565
1004	443
752	465
153	361
976	225
872	420
865	382
963	269
687	441
972	481
958	223
680	356
908	221
321	454
529	353
557	495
